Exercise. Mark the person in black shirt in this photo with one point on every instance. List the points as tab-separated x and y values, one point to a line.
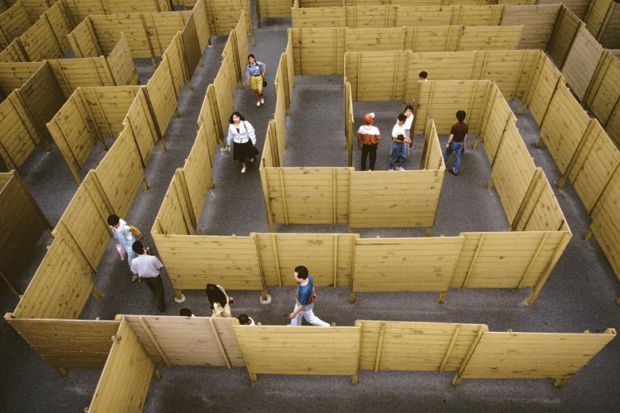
456	142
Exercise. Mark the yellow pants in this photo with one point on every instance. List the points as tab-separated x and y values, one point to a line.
256	83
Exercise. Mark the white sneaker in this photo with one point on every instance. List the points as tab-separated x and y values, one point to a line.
392	169
258	103
400	168
243	170
262	101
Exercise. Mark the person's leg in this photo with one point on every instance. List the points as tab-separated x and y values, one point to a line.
372	151
297	320
156	285
403	154
394	155
365	149
458	153
308	314
242	165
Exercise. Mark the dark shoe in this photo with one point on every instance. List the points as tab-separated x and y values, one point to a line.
452	172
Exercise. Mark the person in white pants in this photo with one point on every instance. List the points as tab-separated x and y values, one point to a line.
306	294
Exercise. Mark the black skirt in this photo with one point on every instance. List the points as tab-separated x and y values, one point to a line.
243	151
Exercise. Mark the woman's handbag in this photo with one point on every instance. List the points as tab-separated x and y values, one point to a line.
264	83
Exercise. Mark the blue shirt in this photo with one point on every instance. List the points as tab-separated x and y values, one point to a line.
304	292
254	70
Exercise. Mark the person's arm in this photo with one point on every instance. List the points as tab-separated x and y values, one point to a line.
229	138
450	138
298	309
263	69
251	132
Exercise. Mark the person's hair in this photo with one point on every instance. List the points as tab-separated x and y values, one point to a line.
408	107
113	219
137	247
402	117
423	74
244	319
460	115
302	272
233	114
252	56
215	295
185	312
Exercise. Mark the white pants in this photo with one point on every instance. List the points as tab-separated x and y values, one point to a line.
308	315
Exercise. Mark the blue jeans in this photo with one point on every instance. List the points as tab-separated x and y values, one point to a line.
398	155
457	148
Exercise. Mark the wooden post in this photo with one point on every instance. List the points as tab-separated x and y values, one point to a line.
379	349
96	293
218	339
335	267
188	201
263	294
334	197
148	40
154	341
79	246
158	130
544	116
446	357
459	373
533	260
578	150
274	245
545	275
264	179
470	269
284	203
526	198
441	298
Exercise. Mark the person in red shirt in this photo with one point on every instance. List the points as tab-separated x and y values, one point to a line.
368	136
456	142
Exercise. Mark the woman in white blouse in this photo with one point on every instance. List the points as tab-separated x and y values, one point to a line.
243	139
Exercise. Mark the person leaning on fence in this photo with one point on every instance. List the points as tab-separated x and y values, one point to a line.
242	136
125	235
255	73
368	136
219	300
147	268
423	76
245	320
408	125
457	142
398	156
304	304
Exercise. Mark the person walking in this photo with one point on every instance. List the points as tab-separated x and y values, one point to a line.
368	136
255	73
147	268
304	304
219	300
125	235
242	136
398	156
457	141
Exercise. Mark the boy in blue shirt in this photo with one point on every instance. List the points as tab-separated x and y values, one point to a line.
306	294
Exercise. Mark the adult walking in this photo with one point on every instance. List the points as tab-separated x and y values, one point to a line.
242	137
147	268
219	300
457	141
125	235
255	73
398	156
368	136
304	304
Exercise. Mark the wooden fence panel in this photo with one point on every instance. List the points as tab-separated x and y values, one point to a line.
490	37
175	214
79	9
431	15
84	42
405	264
537	21
66	344
13	53
440	100
14	21
194	261
61	285
603	94
377	76
21	225
540	210
319	17
579	7
526	355
197	169
542	88
415	346
432	153
188	341
275	350
121	64
162	95
199	13
610	36
123	389
566	28
46	38
121	172
13	75
36	7
582	61
385	199
506	259
140	124
273	8
594	165
309	50
224	14
309	195
190	46
81	72
605	223
564	126
498	118
109	106
371	16
224	88
18	134
328	256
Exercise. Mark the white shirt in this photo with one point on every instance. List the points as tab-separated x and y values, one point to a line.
369	130
146	266
246	132
123	232
398	130
408	122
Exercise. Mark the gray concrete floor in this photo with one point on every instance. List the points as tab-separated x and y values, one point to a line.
579	294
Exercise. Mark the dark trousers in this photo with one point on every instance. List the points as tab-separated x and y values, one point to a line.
156	285
369	151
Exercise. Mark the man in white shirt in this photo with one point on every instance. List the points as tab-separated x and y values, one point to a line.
399	144
147	268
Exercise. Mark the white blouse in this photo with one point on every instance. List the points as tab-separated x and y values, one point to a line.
246	132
